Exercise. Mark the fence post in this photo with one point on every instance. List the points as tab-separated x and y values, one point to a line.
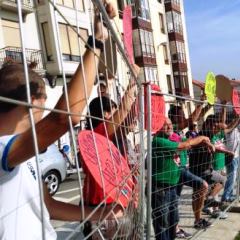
238	182
149	161
142	159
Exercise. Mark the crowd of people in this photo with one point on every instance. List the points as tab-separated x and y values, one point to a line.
22	216
205	160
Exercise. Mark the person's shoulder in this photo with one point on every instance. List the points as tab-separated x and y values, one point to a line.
159	139
100	129
5	144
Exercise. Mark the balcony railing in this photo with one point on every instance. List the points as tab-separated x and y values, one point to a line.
174	5
176	2
14	54
11	5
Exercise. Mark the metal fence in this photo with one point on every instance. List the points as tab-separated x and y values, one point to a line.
189	185
113	203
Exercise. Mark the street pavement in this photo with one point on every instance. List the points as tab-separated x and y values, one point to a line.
68	192
221	230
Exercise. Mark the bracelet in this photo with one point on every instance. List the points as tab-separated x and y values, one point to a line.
93	42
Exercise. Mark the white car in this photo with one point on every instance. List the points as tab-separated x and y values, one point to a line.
54	168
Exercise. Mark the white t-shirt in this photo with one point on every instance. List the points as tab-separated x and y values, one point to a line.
20	211
233	141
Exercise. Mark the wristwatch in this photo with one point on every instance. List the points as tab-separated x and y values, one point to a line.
93	42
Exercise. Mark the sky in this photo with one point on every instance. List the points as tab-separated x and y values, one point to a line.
213	28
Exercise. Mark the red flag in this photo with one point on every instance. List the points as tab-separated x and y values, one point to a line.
236	100
127	32
157	109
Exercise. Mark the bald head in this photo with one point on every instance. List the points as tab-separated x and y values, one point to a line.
167	127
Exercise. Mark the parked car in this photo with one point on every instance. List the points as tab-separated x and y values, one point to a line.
54	168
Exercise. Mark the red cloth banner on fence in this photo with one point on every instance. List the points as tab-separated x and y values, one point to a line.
157	109
127	32
108	165
235	100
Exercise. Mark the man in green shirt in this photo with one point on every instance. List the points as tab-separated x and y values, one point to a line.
165	177
219	157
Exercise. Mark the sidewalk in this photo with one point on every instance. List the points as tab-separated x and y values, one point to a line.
222	229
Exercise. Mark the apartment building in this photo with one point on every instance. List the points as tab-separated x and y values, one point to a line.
160	46
10	41
177	36
159	38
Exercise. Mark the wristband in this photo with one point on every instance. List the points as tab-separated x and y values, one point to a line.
91	42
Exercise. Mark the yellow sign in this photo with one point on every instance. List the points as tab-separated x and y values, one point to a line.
210	88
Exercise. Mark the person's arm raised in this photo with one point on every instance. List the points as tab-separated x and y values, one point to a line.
54	125
126	104
229	128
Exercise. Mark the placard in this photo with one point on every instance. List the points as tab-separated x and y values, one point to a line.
111	166
235	100
210	88
127	32
224	88
157	109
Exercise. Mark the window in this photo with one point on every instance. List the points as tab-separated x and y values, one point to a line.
177	22
47	41
181	80
140	8
184	79
11	33
146	38
176	80
121	5
69	42
137	43
144	10
178	52
189	108
176	2
169	83
161	21
70	4
174	22
165	54
151	74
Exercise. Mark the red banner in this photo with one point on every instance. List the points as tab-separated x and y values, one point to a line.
127	32
235	100
157	109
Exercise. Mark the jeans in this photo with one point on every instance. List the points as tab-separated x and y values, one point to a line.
164	212
231	178
188	179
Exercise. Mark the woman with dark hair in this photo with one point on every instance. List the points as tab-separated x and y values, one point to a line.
99	108
105	119
208	166
20	182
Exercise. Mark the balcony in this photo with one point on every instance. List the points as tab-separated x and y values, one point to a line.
179	66
173	5
14	54
182	91
11	5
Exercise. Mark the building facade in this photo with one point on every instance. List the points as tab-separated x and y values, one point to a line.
159	42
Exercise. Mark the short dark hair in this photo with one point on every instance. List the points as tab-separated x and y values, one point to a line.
13	85
208	124
95	110
173	112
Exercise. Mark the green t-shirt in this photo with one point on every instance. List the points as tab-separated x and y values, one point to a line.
219	158
164	169
183	155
